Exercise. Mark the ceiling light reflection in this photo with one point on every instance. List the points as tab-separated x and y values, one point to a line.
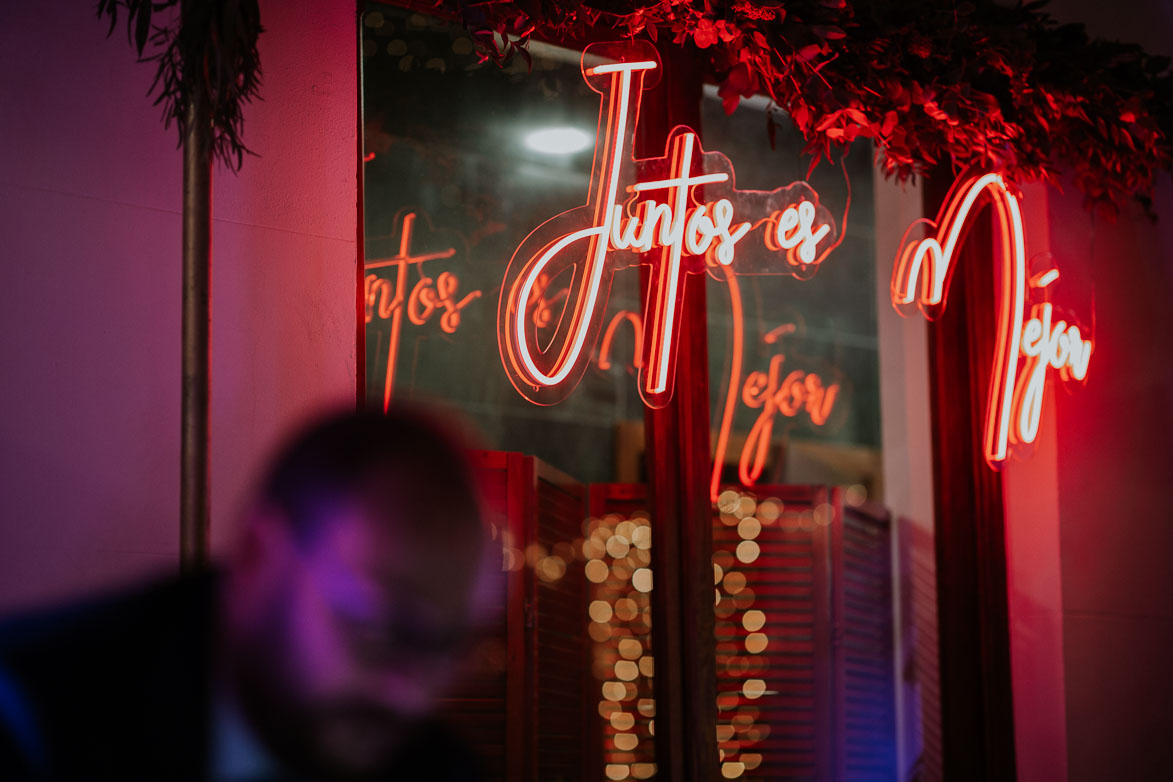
558	141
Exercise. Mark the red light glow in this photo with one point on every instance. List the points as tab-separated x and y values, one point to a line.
617	320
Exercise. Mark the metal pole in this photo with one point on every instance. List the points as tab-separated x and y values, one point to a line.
197	325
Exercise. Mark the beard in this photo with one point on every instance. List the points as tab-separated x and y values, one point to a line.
346	737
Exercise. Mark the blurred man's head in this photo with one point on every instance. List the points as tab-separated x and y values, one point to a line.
354	586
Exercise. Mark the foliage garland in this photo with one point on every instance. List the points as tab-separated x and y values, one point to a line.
206	48
931	81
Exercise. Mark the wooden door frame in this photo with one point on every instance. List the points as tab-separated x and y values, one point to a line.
977	714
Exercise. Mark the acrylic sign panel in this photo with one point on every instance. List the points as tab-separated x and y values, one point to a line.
1031	337
676	213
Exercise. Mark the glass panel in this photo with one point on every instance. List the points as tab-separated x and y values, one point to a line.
804	598
463	161
803	388
452	160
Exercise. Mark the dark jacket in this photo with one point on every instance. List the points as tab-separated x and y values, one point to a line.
113	688
119	688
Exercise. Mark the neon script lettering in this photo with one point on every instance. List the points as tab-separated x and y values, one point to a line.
388	301
1026	347
774	395
672	213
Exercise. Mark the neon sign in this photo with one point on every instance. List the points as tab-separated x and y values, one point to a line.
1026	346
387	301
674	213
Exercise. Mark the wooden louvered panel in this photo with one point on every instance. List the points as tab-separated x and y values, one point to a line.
788	581
558	659
823	580
478	703
523	701
864	677
926	690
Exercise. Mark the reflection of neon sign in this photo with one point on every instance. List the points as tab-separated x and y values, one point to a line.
773	394
651	211
427	297
617	320
1016	391
797	392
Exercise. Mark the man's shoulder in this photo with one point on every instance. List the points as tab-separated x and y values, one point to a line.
439	752
84	678
129	621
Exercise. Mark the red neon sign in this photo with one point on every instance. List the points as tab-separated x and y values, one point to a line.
387	301
672	213
1026	347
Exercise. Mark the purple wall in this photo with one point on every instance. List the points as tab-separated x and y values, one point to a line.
90	188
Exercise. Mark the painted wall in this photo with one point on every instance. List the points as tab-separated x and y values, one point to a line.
1115	467
90	188
907	454
1033	553
1110	444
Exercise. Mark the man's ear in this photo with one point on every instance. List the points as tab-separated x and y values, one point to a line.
265	540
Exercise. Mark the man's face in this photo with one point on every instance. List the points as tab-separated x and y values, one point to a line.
373	611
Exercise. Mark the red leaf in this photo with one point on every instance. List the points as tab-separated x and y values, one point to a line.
801	116
810	51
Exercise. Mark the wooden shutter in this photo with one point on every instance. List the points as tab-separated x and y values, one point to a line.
556	670
477	706
523	702
785	733
865	715
919	667
821	577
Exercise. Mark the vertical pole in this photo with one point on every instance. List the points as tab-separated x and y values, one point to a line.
360	336
678	465
197	326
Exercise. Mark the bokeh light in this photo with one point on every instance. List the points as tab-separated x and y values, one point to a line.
618	554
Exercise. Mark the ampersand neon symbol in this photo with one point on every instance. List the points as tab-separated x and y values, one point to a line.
644	211
1025	347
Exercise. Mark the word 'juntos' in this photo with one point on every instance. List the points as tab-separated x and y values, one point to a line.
387	299
676	213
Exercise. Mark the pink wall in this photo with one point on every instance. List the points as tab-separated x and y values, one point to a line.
1033	558
1114	463
90	282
